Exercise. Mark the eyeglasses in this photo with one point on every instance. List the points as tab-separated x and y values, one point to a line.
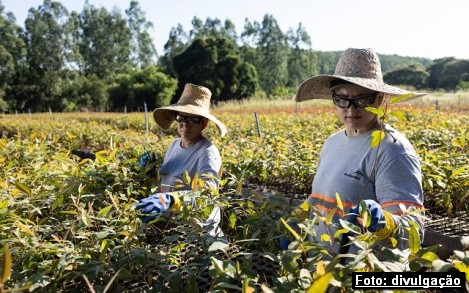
360	102
189	120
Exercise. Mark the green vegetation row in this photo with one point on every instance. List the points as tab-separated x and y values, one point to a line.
69	224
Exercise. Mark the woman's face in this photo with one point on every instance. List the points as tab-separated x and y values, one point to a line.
350	101
190	126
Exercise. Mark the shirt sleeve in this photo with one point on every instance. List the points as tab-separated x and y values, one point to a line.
209	166
399	191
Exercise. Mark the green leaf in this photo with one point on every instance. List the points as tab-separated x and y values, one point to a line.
23	188
400	98
414	239
104	211
325	237
398	114
232	219
339	201
85	217
321	284
297	237
186	178
377	111
5	264
4	204
218	245
376	137
458	171
430	256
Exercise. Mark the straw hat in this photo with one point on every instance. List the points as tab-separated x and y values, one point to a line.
195	99
358	66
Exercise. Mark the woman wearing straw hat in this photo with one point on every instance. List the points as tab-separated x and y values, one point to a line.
384	178
191	152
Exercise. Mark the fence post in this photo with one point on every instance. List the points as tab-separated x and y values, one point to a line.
146	119
257	124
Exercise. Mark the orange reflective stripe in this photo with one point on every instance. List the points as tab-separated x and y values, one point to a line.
331	200
406	203
328	210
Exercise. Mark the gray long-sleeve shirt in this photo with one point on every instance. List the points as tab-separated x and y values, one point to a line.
203	157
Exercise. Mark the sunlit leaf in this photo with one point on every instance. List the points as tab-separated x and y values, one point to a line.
377	111
325	237
85	217
376	137
246	287
232	219
25	229
430	256
195	181
297	237
414	239
320	270
321	284
266	289
458	171
23	188
3	204
5	264
330	215
186	178
398	114
104	211
401	98
339	201
84	162
462	267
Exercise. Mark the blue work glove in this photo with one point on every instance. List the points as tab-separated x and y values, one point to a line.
152	207
376	213
147	159
283	240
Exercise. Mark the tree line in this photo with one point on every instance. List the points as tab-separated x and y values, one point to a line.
101	60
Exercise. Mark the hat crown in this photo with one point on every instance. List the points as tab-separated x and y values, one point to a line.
362	63
195	95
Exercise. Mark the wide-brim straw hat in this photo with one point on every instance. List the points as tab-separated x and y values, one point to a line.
195	99
357	66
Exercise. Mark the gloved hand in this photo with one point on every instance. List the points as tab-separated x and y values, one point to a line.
147	159
152	207
378	220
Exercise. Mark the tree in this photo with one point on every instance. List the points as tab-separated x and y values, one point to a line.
301	61
12	56
453	73
143	50
46	51
413	75
272	51
104	42
147	85
214	63
176	44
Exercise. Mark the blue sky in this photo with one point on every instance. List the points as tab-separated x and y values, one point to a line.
417	28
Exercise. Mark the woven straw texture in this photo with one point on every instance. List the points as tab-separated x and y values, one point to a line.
358	66
194	100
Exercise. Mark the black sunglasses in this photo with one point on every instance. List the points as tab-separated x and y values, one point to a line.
360	102
189	120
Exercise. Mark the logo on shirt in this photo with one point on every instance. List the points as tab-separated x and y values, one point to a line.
357	175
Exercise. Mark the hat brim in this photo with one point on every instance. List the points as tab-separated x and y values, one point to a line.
164	116
318	87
